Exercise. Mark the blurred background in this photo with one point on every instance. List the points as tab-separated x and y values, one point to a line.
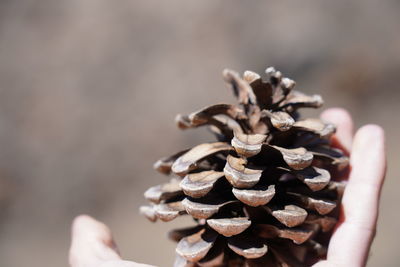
89	90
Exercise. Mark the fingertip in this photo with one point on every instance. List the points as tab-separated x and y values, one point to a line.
85	225
78	222
337	115
371	132
369	138
370	141
328	111
341	118
81	220
92	242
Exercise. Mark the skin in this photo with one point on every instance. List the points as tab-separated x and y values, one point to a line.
93	245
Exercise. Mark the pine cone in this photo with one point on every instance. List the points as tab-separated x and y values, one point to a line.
263	194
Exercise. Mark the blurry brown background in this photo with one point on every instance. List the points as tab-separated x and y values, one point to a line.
89	90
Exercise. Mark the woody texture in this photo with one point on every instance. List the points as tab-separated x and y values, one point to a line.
263	193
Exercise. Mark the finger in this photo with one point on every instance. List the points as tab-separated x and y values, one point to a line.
343	137
350	243
92	243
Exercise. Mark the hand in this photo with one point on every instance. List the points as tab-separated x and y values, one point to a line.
93	246
92	243
352	238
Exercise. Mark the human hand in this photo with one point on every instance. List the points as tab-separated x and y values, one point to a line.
92	243
93	246
352	238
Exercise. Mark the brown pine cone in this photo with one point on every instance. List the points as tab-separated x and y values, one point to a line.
263	194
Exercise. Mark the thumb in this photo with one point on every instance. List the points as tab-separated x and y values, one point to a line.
92	243
93	246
